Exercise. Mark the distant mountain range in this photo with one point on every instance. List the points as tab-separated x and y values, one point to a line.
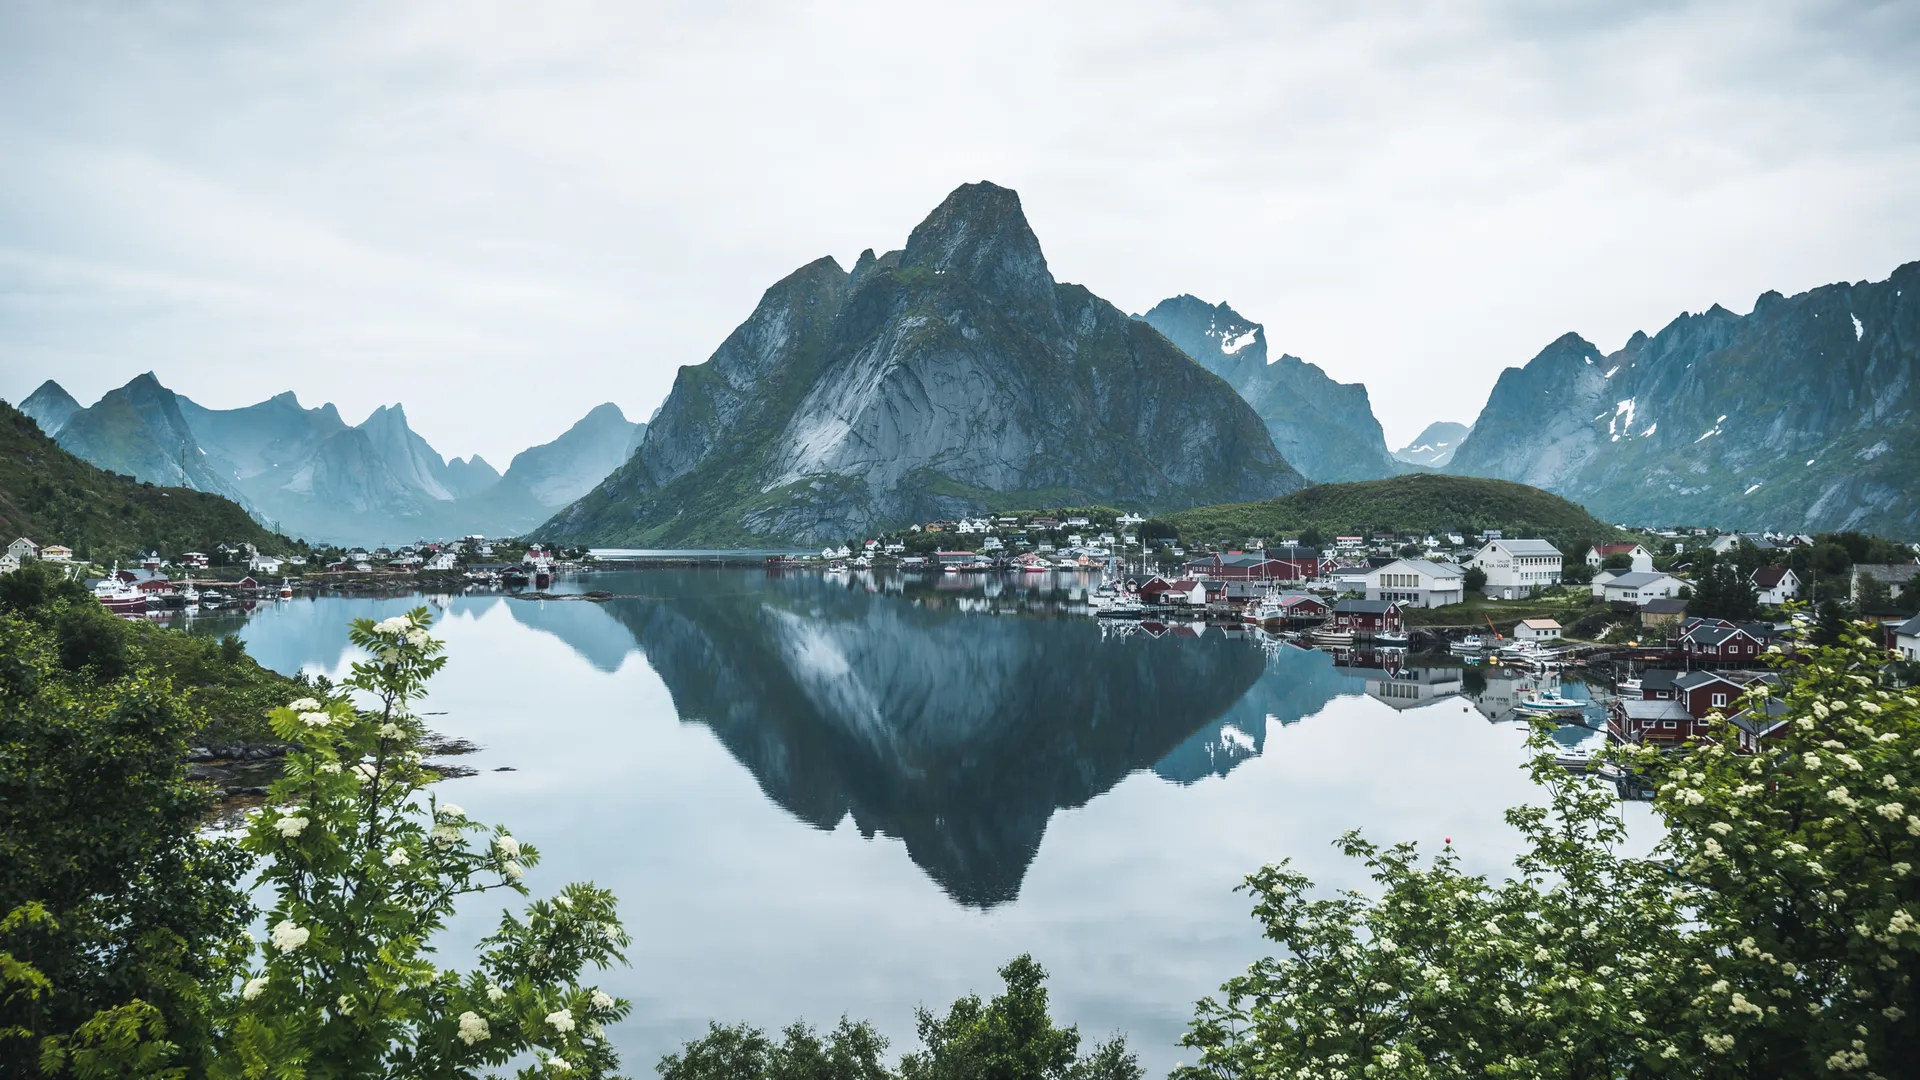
1325	429
1803	415
1435	446
950	377
311	474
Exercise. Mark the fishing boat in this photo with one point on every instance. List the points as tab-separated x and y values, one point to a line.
1122	607
1267	610
1548	704
120	597
286	589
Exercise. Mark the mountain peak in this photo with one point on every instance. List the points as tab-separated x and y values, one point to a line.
981	234
50	406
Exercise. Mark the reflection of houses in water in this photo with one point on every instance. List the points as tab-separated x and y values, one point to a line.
1502	689
1408	687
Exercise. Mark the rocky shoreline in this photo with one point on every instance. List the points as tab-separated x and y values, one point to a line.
246	770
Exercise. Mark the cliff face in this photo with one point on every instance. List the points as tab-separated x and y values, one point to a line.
1801	416
1326	429
50	407
1434	447
949	377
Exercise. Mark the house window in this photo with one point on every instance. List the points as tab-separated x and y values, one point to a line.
1719	699
1668	724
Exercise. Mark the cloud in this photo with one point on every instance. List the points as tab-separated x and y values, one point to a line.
503	215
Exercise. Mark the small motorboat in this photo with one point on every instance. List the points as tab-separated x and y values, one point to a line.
836	567
1576	757
1548	704
1472	643
1391	640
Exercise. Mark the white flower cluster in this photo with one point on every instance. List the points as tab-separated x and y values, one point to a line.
316	719
254	988
305	704
290	826
558	1063
494	993
397	858
288	937
473	1028
399	624
451	812
561	1021
601	1000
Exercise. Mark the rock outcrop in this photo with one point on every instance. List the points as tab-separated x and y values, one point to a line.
1326	429
949	377
1802	415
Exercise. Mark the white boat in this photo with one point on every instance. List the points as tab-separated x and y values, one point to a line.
949	569
1547	703
286	589
1123	607
1472	643
1391	640
119	597
1267	610
1577	757
836	567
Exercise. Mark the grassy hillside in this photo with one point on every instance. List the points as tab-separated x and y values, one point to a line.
53	497
1419	503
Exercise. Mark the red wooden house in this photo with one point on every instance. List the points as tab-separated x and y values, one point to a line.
1368	616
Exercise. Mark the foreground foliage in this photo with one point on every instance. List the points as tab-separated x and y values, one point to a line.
1772	933
365	867
1011	1037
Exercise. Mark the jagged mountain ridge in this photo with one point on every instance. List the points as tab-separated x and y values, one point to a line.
1800	415
1435	446
313	475
1326	429
50	407
948	377
140	430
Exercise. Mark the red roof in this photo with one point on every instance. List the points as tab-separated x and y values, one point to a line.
1615	549
1769	576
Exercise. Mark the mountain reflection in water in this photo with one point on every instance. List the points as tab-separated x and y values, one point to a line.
901	705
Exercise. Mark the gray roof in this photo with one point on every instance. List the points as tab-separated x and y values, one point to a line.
1656	710
1636	580
1693	679
1528	547
1430	568
1364	607
1910	628
1892	573
1665	606
1658	678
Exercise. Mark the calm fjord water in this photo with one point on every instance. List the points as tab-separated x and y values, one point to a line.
818	796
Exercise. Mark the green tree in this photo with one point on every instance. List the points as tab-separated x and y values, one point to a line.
1773	932
364	867
1313	538
114	906
1474	579
1012	1037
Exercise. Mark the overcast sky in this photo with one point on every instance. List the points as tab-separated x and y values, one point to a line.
504	214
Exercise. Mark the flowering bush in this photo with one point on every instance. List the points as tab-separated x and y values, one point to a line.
365	866
1772	933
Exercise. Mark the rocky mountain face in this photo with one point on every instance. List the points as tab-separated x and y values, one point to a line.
1799	416
467	477
949	377
311	474
141	431
543	479
1326	429
1435	445
50	407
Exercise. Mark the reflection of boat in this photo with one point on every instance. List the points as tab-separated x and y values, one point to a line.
1547	703
1576	757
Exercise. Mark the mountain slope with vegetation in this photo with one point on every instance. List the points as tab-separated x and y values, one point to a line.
1420	504
51	496
929	382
